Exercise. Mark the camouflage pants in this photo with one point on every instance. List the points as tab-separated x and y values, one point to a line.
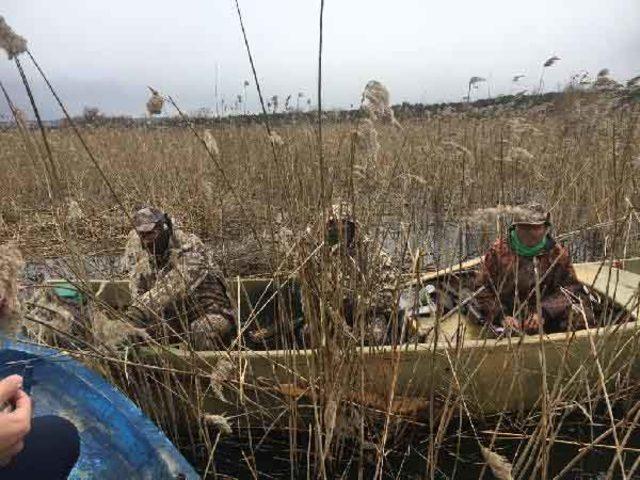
205	318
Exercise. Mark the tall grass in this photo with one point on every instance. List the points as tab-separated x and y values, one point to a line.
574	156
425	196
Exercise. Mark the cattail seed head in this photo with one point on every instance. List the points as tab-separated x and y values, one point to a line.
218	421
367	140
74	212
11	264
522	153
211	143
155	103
209	190
375	101
21	117
276	139
10	41
499	465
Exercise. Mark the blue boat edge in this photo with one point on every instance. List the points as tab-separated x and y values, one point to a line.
179	467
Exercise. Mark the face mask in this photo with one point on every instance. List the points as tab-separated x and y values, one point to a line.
161	243
335	231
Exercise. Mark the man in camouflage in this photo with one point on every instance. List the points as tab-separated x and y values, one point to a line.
510	271
176	287
359	277
57	315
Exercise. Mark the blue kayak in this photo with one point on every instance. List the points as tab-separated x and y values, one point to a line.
117	441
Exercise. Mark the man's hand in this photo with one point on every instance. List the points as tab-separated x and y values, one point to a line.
530	326
511	323
261	334
533	323
14	424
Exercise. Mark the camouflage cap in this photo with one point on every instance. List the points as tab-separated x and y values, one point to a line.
533	214
341	211
148	218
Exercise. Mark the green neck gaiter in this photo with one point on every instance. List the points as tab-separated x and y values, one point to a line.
523	250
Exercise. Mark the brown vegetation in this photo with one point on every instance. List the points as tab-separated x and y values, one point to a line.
243	191
575	156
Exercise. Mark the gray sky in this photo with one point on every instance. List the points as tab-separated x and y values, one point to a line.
104	53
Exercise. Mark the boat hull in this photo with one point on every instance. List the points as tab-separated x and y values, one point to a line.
486	375
515	374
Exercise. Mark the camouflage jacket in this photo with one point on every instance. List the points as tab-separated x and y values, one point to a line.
509	283
188	267
362	274
47	318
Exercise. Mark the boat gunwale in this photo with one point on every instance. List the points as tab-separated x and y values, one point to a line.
466	344
560	338
418	348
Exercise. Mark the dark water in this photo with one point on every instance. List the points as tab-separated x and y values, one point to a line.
458	457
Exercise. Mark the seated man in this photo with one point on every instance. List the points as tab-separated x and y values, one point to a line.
175	285
355	269
508	277
61	315
57	315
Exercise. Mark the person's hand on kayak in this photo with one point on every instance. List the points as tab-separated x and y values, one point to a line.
15	418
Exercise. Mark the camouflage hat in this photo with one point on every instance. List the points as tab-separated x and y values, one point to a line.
148	218
533	214
341	211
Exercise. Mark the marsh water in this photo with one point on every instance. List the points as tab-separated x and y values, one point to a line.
459	457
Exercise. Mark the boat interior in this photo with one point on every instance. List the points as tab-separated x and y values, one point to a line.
441	299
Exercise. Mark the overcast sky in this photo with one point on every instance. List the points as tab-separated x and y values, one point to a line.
104	52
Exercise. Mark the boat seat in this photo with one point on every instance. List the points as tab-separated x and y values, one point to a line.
623	289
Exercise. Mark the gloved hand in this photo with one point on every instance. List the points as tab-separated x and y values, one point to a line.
210	332
531	325
261	334
511	324
376	331
116	332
